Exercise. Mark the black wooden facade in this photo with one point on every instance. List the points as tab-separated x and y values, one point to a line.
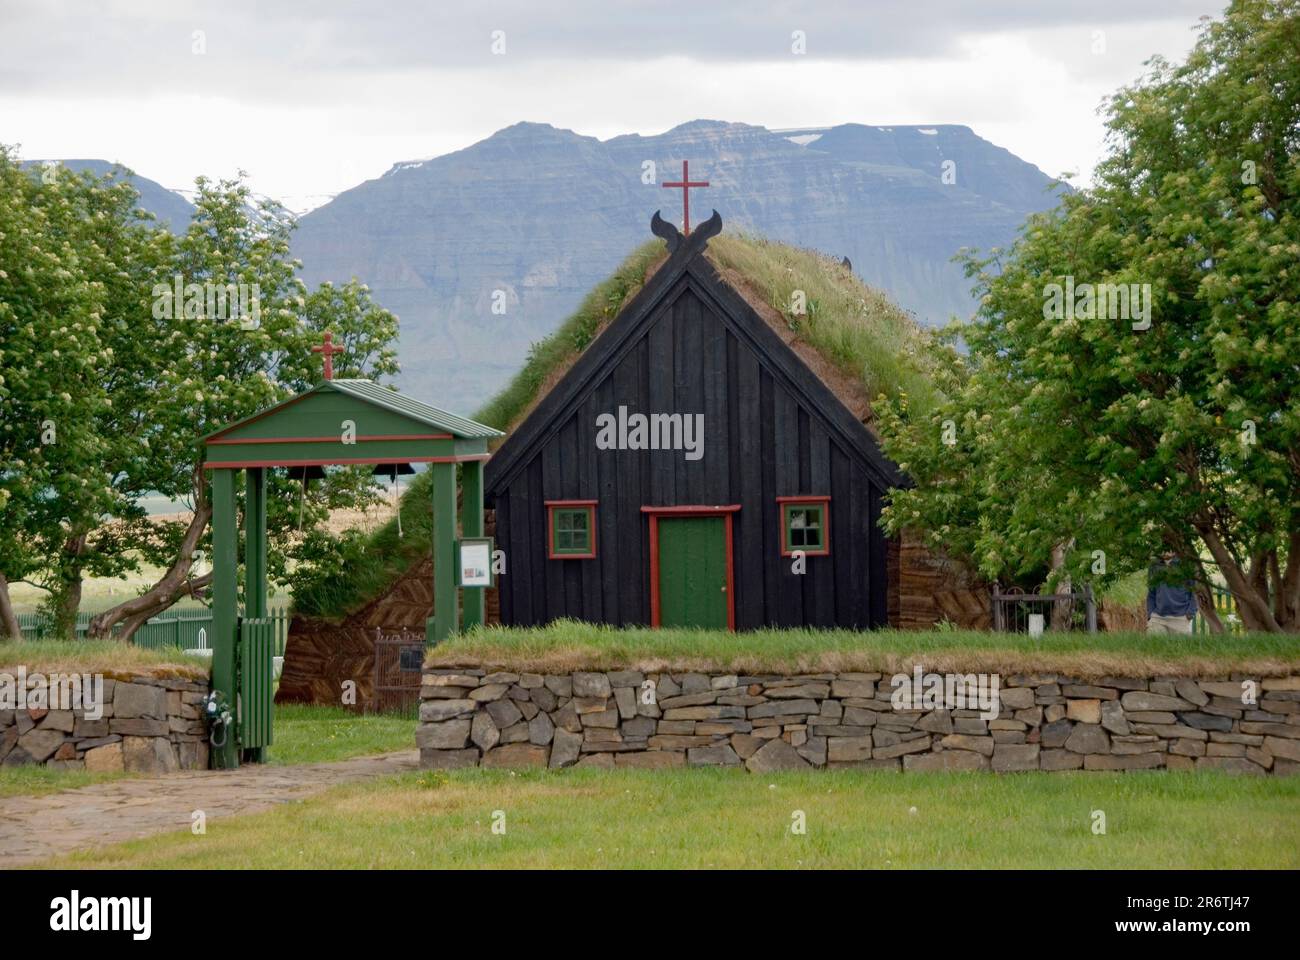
689	343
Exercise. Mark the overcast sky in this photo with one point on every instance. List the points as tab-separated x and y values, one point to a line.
311	98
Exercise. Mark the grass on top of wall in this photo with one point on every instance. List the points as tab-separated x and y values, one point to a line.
109	657
569	645
702	818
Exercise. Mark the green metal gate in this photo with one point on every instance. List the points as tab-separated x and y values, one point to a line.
257	644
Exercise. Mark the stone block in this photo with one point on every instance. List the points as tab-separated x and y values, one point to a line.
60	720
1145	700
1059	760
719	754
1008	757
489	692
947	760
1113	719
1088	738
504	713
591	685
1284	748
515	733
139	727
565	747
432	711
448	759
957	741
517	755
139	700
445	735
1141	761
650	759
1083	711
899	749
775	755
149	755
540	729
1016	698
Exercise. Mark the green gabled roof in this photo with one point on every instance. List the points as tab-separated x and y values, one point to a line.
367	391
371	392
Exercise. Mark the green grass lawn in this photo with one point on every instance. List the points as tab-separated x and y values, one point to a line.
37	781
310	734
569	645
728	818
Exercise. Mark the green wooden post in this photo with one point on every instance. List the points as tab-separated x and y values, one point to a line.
471	525
225	610
254	560
446	615
255	542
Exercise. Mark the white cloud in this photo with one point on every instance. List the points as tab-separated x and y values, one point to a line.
319	114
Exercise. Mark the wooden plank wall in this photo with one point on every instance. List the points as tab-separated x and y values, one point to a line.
760	443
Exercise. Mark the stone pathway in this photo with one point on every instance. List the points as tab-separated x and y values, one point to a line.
40	828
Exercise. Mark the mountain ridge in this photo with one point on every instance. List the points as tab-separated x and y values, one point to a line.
535	215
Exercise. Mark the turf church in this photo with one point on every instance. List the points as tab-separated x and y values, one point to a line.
690	469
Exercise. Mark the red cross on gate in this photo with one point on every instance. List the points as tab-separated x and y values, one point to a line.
685	185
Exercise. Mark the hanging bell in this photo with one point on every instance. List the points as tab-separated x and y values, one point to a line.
392	471
305	475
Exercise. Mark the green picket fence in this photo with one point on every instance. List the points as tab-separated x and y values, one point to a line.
1225	605
185	629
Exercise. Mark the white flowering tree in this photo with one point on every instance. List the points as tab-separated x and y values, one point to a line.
122	345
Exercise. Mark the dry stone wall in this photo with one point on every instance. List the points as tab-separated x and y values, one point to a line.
471	717
145	725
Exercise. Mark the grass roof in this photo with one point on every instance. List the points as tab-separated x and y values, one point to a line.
854	338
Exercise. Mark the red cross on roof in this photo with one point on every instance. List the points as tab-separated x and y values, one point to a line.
685	185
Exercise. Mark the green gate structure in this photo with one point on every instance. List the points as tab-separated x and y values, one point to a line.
337	422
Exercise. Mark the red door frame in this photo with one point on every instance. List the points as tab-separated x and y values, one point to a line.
726	512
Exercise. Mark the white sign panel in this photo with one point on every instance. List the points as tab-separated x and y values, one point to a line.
476	563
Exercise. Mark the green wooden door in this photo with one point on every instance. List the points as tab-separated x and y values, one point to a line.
693	572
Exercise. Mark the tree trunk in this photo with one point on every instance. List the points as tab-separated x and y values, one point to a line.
135	621
1255	612
65	599
8	618
1286	604
1061	609
173	584
1205	600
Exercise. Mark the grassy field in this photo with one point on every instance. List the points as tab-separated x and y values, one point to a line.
313	734
568	645
717	818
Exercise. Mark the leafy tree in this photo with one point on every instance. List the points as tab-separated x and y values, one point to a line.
73	256
120	346
222	368
1094	437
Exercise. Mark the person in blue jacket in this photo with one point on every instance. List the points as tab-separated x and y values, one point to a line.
1171	597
